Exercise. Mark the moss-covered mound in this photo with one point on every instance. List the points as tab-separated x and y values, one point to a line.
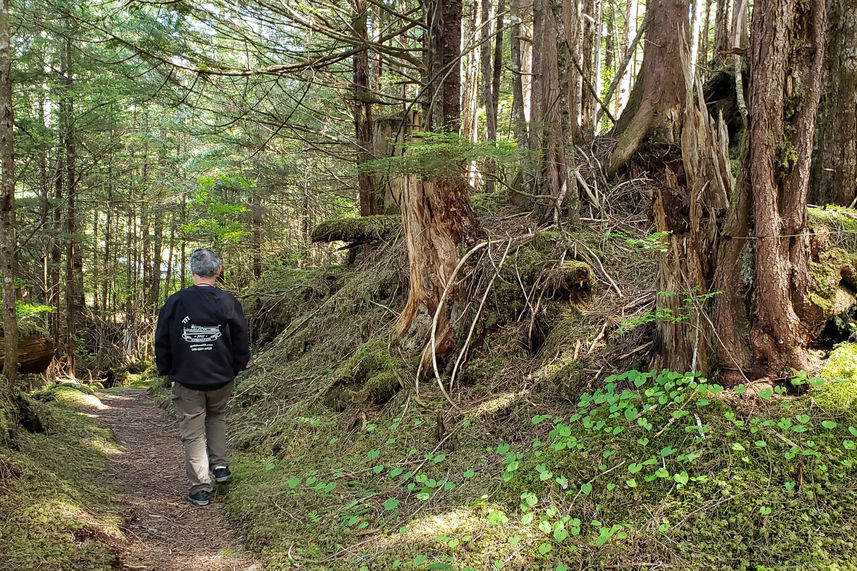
653	465
54	491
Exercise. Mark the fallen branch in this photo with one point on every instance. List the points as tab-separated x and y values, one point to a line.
460	358
446	290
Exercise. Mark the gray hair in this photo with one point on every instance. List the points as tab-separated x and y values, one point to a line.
204	262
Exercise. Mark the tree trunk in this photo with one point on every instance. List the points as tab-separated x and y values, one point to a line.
696	21
171	252
363	121
436	219
491	80
588	46
183	256
657	100
781	137
732	309
256	232
157	254
74	259
7	202
470	92
487	74
834	169
451	42
547	137
690	214
519	123
629	31
723	26
569	108
598	38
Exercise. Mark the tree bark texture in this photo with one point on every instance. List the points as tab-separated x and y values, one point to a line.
834	171
519	123
546	125
732	314
629	32
7	202
437	218
74	257
451	43
589	36
723	26
487	74
570	80
787	51
441	70
690	213
363	120
657	99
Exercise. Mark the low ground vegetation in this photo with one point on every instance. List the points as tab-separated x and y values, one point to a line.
55	492
546	460
559	449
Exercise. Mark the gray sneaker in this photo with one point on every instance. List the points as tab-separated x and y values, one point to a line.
200	497
222	474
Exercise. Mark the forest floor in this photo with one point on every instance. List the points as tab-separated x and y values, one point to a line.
164	530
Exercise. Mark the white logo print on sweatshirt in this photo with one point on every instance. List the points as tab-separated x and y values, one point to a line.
201	337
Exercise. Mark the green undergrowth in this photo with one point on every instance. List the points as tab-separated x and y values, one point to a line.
53	490
653	468
345	462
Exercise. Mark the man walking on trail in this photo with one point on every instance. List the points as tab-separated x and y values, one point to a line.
201	343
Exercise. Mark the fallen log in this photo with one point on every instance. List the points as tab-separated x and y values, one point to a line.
357	231
35	352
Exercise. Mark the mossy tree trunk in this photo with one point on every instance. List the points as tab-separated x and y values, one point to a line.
657	99
771	335
7	203
834	172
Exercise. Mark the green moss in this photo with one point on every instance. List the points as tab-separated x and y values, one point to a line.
730	497
371	375
839	221
361	230
56	493
491	203
520	271
839	393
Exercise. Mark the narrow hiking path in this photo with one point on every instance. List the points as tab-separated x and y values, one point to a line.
165	531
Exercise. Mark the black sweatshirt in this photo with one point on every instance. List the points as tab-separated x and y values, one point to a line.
201	339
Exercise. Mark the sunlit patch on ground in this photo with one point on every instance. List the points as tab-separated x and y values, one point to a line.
70	393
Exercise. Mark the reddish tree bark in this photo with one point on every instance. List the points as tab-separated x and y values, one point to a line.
787	43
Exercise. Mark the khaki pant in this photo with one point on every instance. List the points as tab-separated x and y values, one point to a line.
202	426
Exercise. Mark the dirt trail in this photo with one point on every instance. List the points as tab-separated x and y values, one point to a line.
165	531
